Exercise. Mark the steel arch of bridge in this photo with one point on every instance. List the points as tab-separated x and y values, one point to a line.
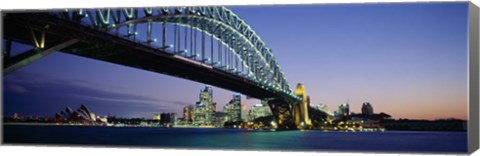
219	23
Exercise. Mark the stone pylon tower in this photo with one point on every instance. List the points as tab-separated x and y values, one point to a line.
301	109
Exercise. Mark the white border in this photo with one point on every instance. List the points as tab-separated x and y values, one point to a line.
74	151
49	4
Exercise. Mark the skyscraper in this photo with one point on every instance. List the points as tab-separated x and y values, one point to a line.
199	115
367	108
232	110
188	114
205	107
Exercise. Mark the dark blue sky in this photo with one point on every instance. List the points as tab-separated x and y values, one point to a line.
408	60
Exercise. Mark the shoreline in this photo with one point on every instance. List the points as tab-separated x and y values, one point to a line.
199	127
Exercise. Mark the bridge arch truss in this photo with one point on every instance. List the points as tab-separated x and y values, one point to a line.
233	46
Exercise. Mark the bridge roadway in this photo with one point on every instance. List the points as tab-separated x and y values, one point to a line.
107	47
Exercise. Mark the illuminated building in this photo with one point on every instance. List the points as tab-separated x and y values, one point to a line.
188	113
232	110
244	109
156	117
367	108
343	111
199	115
258	110
206	107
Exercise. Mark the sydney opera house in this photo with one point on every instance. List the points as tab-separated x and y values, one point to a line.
81	115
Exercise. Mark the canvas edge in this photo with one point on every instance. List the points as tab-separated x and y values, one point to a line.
2	115
473	47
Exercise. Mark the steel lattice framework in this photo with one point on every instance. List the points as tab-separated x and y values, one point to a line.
238	48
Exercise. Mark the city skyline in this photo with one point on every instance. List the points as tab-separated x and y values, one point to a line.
420	81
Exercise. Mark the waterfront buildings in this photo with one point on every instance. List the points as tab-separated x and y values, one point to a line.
369	120
233	110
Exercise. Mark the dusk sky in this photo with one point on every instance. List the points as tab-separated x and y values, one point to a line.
408	60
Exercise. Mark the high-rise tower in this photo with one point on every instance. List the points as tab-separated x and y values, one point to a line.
209	108
233	109
367	108
188	114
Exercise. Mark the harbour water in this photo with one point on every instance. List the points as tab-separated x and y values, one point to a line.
238	139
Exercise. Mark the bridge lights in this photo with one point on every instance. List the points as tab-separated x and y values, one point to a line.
273	123
183	51
155	40
136	33
167	46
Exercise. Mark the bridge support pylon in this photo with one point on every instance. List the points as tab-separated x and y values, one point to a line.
300	109
282	112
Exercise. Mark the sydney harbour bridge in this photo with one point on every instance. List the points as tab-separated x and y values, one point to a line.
209	45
